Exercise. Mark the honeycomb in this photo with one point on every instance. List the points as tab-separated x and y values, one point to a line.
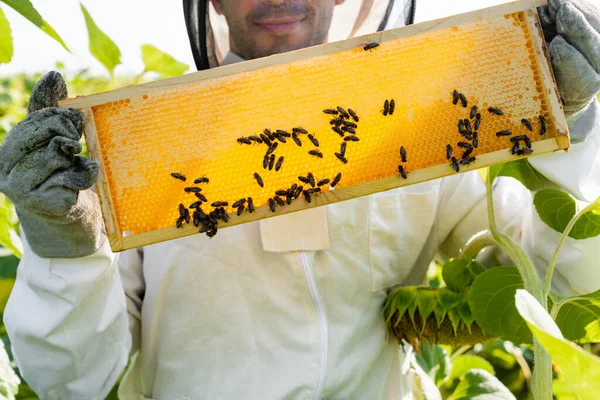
193	128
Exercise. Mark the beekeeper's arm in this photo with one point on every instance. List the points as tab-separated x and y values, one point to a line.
67	316
574	30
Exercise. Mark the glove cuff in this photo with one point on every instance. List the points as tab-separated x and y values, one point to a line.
78	234
584	122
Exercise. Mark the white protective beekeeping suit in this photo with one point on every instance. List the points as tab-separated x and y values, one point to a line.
285	308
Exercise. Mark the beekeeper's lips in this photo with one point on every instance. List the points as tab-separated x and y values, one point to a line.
287	19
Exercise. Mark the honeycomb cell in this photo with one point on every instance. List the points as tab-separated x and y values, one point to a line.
193	128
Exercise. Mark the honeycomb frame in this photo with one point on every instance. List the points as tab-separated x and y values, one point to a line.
129	131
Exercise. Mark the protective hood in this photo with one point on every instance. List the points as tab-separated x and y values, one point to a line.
209	34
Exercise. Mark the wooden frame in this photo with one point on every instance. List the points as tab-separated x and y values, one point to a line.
120	240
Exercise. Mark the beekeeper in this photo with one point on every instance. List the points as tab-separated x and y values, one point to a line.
285	308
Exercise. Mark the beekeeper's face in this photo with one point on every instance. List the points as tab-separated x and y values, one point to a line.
259	28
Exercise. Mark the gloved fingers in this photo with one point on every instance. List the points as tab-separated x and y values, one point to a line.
577	81
573	26
35	132
589	11
37	166
80	175
47	92
55	201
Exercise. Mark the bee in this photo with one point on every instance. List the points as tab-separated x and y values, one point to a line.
524	151
299	130
315	153
402	172
200	196
265	139
196	219
495	111
464	145
461	127
455	97
298	191
371	46
255	139
187	216
386	107
330	111
467	161
349	124
351	139
244	140
269	134
311	179
239	203
195	204
336	180
296	140
505	132
403	154
527	141
272	148
323	182
474	110
467	125
467	152
341	158
281	138
392	106
182	210
204	229
514	149
279	201
212	232
224	215
475	139
281	192
463	100
338	131
353	114
477	122
294	187
272	204
313	190
179	176
271	162
343	149
201	180
313	140
448	151
259	180
349	130
343	112
250	205
201	213
265	161
279	163
527	124
307	196
288	198
179	222
240	210
542	125
192	189
454	164
303	179
219	204
523	138
283	133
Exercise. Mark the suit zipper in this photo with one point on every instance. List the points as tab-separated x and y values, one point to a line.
321	318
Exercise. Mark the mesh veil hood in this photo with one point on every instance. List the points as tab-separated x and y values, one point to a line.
209	38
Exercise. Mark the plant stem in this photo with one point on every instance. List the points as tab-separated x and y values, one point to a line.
548	278
477	243
542	372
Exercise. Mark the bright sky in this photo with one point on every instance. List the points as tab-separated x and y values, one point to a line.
131	23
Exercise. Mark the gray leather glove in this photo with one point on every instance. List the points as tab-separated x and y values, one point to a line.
45	179
572	29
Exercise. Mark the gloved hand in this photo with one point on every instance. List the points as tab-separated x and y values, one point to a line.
572	29
45	179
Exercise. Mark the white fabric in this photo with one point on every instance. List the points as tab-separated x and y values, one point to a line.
226	319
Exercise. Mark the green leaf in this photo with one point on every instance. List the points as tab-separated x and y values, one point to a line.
26	9
580	369
6	42
425	384
579	318
448	299
458	273
481	385
101	46
426	303
454	318
466	316
435	361
587	226
463	364
156	60
9	238
400	300
522	171
493	306
555	208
